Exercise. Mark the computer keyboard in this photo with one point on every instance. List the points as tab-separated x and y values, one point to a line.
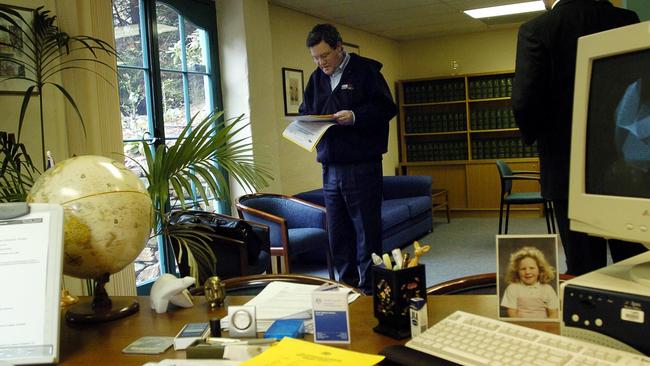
470	339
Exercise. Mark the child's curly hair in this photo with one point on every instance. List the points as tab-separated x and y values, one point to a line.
546	271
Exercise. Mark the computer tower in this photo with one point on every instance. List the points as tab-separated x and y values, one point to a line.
608	307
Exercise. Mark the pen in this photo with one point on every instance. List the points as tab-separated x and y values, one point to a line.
387	262
219	340
376	259
405	260
326	287
255	341
397	255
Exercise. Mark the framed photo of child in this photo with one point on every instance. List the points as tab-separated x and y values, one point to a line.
527	278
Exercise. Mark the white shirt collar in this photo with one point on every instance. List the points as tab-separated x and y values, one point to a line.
344	63
554	3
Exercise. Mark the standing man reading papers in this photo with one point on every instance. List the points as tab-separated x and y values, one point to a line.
351	88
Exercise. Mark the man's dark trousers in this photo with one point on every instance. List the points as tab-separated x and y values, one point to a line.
353	194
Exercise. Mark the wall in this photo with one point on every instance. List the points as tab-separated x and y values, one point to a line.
474	53
299	169
641	7
247	77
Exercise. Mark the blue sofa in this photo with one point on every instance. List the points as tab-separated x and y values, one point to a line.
405	212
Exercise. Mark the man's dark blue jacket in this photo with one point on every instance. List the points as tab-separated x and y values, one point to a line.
364	91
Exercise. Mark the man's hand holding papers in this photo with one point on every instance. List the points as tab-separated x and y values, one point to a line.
306	131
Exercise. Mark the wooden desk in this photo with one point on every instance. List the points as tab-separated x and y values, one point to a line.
102	344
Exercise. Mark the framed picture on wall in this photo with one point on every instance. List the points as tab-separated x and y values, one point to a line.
527	277
292	82
12	51
352	48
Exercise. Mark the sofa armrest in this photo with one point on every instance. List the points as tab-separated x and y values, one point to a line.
403	186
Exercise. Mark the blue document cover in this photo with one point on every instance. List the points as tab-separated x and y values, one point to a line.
331	320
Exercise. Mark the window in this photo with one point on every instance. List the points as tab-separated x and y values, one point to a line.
168	74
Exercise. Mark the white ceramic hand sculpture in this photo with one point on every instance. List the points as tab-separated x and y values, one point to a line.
170	288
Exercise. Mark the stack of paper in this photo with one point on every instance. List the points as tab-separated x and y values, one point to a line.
285	300
306	131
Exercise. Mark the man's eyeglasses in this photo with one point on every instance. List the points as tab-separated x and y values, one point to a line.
323	56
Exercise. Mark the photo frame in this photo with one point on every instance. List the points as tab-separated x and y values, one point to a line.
351	48
293	87
532	292
11	47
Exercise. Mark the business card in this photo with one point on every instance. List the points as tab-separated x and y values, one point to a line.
331	317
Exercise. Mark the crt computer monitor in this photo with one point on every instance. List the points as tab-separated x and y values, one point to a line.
609	191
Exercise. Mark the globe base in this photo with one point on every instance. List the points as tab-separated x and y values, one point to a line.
102	308
84	312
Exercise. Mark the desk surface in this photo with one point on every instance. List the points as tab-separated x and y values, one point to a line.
102	344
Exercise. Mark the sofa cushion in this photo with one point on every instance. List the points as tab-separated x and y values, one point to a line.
393	213
416	205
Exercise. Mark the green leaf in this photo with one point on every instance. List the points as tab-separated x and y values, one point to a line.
23	108
73	103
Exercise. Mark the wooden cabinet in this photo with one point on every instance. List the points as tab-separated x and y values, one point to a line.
453	129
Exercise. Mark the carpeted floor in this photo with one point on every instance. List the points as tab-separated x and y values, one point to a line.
463	247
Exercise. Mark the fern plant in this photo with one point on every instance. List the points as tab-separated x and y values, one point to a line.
198	166
17	171
44	52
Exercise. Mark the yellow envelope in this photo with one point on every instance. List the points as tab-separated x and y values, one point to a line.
293	352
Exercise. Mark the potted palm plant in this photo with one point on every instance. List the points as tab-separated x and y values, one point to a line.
17	171
197	168
38	51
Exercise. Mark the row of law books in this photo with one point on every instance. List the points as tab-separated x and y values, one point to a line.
423	121
490	119
434	91
436	151
496	87
502	148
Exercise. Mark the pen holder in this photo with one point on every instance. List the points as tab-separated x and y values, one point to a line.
391	294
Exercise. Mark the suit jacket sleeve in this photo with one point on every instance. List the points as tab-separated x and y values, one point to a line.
531	86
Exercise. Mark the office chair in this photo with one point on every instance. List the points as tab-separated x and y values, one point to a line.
236	254
296	226
508	197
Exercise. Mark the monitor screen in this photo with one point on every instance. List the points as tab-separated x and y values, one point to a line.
609	189
618	126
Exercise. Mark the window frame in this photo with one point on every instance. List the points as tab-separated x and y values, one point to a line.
202	13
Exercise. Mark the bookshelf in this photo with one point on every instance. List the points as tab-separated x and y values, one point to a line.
454	128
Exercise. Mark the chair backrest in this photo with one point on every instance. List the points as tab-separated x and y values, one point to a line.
484	283
504	171
252	285
295	212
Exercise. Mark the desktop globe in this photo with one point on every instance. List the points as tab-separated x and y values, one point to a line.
107	217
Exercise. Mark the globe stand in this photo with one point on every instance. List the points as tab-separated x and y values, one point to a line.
102	308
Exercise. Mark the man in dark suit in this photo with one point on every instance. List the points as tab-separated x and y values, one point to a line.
542	101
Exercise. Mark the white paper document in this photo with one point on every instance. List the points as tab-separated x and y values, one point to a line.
306	131
285	300
23	256
30	269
